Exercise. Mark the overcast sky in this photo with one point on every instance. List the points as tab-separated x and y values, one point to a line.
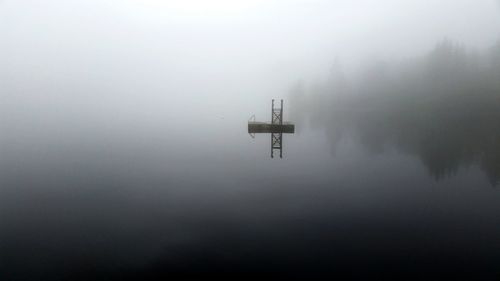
150	54
246	30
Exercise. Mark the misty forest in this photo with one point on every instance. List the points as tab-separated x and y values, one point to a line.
442	107
249	140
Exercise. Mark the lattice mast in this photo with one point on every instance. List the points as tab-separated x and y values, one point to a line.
277	138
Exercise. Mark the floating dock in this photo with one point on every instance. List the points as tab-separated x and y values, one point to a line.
276	128
263	127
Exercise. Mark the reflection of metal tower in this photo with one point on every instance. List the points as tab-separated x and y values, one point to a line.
277	137
277	128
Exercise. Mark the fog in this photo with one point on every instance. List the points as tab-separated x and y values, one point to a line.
135	58
441	106
125	154
88	68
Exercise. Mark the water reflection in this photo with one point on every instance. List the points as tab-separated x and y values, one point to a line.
442	108
151	203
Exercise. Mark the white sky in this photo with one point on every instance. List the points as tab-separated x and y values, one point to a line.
149	53
249	30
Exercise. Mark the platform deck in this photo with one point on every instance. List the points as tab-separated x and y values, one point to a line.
262	127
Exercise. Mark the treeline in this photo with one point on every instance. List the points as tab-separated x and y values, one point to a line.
443	107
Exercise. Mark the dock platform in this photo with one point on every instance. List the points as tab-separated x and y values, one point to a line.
262	127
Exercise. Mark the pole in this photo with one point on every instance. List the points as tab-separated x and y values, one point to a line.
272	111
281	113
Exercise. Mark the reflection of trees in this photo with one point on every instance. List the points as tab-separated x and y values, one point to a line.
444	108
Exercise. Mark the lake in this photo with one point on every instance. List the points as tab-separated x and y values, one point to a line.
349	198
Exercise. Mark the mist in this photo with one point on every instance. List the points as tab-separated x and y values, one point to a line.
440	106
125	152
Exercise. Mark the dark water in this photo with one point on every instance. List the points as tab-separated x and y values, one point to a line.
385	198
124	152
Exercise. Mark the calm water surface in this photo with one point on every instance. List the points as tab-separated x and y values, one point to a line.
352	196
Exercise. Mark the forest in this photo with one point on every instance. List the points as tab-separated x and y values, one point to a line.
442	107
